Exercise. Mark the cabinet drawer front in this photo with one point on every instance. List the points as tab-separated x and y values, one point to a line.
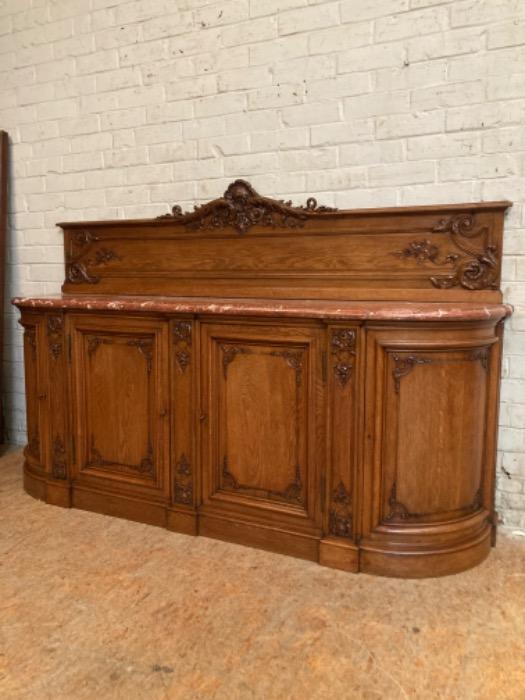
259	386
119	400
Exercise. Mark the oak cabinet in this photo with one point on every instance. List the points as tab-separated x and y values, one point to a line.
353	421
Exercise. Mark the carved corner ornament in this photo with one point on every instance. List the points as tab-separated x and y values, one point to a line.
182	340
229	353
398	511
145	347
343	342
472	267
340	515
80	258
293	360
403	365
241	207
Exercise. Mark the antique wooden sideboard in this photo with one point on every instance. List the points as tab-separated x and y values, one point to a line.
315	382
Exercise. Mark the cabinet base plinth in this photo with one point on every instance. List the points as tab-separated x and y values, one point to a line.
273	540
333	552
59	493
179	521
426	564
120	506
338	554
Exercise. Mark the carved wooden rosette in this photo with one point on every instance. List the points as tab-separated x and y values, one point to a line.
241	207
183	482
474	267
81	258
182	341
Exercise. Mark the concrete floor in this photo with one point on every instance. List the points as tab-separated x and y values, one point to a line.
96	607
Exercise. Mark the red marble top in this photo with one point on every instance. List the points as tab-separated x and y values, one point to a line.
367	310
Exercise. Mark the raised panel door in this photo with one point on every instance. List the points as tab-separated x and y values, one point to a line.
262	416
426	457
120	400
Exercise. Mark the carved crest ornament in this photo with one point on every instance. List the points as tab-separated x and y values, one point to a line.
242	207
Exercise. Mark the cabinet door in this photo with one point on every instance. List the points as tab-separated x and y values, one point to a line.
426	415
120	400
262	418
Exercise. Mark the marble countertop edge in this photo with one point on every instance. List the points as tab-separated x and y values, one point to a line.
363	310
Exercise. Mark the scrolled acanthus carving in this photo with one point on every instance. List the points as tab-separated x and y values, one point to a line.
473	268
79	260
241	207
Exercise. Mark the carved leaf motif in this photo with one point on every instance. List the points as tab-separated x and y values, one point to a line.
403	364
343	342
340	517
474	268
293	492
145	346
241	207
59	469
229	353
294	360
54	335
78	260
183	486
182	341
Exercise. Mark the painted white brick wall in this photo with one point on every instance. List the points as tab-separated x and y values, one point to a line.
120	108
